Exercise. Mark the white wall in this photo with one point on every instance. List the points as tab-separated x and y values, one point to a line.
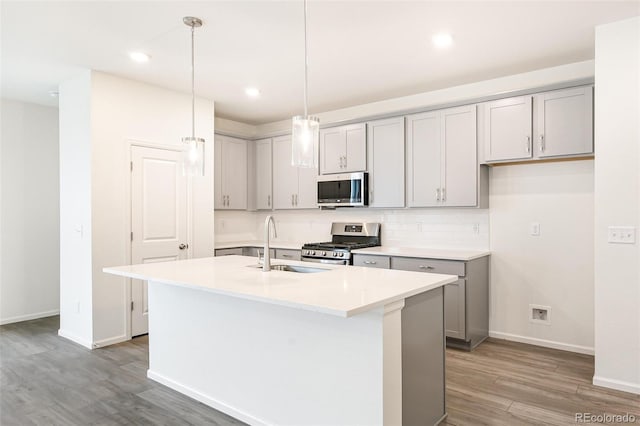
29	224
617	201
76	319
122	111
552	269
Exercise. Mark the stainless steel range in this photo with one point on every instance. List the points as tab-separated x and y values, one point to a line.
344	238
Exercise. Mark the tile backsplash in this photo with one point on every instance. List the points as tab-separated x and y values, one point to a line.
441	228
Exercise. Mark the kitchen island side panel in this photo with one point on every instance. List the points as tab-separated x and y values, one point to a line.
264	363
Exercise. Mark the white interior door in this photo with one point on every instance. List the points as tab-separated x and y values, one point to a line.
158	219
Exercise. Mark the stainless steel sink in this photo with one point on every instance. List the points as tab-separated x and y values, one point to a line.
293	268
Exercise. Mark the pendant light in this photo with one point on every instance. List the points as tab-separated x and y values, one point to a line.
305	129
193	147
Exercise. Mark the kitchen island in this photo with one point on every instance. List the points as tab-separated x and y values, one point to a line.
343	346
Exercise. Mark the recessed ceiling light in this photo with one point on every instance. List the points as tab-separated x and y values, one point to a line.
252	92
139	57
442	40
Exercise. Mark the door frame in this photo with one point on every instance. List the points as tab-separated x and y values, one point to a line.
130	143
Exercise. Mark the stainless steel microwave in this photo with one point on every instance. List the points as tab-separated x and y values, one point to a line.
343	190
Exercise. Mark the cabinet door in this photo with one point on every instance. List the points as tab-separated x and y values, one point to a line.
385	158
219	199
454	309
508	129
264	196
355	159
332	150
234	173
288	254
285	176
229	252
307	195
460	183
564	122
424	159
371	261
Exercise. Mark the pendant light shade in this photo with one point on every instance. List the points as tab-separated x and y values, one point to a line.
305	129
192	146
305	133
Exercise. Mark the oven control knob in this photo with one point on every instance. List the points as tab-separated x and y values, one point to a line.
341	254
313	252
335	254
324	253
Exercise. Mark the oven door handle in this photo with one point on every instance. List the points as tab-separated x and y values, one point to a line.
327	261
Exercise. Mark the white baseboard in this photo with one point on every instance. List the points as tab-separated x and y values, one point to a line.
617	384
544	343
75	339
29	317
110	341
207	400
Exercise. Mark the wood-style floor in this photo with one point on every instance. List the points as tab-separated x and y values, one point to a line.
47	380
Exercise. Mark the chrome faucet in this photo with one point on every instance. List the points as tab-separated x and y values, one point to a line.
266	264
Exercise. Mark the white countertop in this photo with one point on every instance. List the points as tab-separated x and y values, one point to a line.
341	290
289	245
428	253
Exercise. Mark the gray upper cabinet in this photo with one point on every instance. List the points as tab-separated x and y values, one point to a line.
507	129
564	122
263	163
343	149
293	187
230	180
551	124
385	159
442	166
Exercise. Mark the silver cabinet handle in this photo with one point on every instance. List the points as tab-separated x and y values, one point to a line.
370	262
437	194
345	161
269	200
286	255
426	267
444	196
228	202
296	199
292	200
541	143
528	144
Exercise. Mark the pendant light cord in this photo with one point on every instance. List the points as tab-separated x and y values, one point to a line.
305	60
193	93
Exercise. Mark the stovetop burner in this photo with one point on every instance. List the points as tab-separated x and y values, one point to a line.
344	238
352	245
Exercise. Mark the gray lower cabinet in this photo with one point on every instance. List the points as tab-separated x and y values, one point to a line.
371	261
253	252
466	301
229	251
288	254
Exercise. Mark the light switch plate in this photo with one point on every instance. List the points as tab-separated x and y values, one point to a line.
621	235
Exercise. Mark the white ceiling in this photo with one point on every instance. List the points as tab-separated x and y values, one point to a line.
359	51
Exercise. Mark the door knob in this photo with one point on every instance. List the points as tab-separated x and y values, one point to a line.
183	246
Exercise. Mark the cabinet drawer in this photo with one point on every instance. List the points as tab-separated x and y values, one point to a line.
371	261
253	252
288	254
229	251
451	267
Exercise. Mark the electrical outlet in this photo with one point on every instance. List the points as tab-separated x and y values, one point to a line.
539	314
534	229
476	228
621	235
